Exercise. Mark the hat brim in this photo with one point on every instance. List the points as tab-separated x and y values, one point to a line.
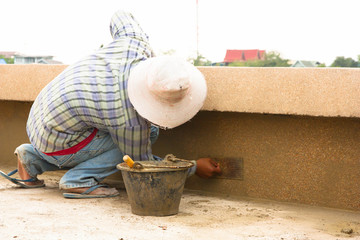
160	113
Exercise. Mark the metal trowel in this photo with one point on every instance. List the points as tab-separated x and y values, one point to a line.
231	168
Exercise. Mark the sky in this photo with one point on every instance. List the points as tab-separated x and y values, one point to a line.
314	30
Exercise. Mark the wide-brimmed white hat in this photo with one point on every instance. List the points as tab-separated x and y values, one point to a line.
167	91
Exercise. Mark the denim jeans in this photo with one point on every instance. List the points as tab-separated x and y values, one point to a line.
86	168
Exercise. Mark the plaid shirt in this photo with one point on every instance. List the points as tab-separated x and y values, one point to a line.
92	93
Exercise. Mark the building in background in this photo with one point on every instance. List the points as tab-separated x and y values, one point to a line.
31	59
243	55
19	58
7	57
302	63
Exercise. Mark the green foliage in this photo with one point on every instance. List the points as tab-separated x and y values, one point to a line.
345	62
7	60
272	59
200	61
169	52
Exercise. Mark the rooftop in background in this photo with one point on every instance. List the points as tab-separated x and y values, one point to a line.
244	55
20	58
29	59
302	63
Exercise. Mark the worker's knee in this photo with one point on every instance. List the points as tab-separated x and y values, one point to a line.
25	153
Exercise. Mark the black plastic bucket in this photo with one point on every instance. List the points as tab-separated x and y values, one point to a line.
156	189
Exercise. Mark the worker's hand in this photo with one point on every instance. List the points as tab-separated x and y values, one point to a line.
207	168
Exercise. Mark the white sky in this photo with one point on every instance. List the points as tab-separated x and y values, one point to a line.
317	30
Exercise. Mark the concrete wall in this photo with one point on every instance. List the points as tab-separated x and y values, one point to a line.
312	160
297	130
13	116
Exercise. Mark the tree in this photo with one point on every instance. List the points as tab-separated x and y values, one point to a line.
7	60
200	61
169	52
344	62
272	59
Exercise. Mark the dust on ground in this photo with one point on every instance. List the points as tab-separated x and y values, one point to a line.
28	214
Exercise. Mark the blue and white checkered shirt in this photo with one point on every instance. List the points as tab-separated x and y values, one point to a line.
92	93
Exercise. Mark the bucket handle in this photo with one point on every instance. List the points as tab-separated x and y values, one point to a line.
169	158
172	158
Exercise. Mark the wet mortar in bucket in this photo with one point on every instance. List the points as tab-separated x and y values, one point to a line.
155	188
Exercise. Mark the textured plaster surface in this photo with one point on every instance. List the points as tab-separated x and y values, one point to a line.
299	91
24	82
312	160
305	91
13	117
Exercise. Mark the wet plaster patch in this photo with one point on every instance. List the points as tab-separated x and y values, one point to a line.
45	214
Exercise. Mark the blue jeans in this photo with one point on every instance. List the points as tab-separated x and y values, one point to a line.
86	168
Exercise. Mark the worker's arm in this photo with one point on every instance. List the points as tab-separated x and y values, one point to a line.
133	141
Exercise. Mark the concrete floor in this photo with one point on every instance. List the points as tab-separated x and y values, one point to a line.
45	214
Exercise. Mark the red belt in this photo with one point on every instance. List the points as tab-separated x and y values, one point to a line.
76	148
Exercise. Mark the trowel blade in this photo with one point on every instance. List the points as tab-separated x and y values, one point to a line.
231	168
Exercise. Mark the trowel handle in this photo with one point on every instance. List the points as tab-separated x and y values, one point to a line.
128	161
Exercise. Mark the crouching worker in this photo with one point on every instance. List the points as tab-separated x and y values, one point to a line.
105	106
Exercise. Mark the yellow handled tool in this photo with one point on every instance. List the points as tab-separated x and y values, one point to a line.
128	161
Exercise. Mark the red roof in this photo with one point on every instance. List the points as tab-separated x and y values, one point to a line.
244	55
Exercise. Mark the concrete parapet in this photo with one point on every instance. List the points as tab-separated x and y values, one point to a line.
24	82
295	91
306	91
296	130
